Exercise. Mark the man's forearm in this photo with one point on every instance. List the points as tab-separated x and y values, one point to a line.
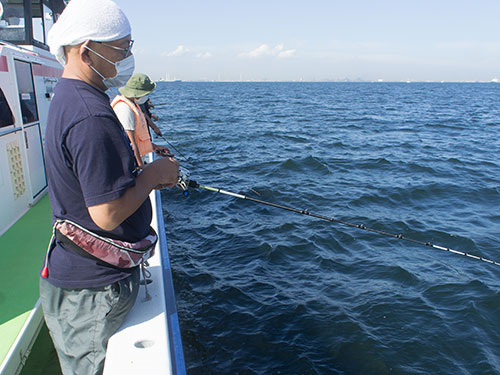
111	214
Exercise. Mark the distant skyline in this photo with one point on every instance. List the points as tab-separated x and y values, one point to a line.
332	40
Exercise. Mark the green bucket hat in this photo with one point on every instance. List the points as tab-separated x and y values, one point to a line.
138	85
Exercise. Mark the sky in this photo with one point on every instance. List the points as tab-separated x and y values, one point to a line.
316	40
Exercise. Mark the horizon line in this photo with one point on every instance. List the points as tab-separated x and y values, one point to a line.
320	81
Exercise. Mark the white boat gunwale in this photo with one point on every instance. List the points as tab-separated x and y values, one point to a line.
152	326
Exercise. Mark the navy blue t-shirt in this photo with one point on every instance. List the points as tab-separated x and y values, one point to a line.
89	161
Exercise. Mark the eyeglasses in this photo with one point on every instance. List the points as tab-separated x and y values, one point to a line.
126	51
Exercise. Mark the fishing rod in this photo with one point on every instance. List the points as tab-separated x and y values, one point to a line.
174	148
184	183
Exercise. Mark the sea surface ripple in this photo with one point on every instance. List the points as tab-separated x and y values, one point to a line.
266	291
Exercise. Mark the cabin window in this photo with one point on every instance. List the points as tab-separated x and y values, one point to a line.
26	89
12	21
21	25
48	20
37	22
6	117
43	19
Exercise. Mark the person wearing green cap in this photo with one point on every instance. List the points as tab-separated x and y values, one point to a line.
126	107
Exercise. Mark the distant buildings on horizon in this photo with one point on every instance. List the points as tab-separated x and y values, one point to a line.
170	78
380	80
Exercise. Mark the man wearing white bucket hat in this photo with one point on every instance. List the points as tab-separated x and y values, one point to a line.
95	188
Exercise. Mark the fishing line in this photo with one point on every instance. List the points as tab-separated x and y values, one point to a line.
176	150
184	172
186	160
194	184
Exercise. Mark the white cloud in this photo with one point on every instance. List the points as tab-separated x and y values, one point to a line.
179	51
286	54
262	50
267	50
204	55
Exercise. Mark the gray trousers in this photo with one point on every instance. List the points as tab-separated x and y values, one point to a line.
81	321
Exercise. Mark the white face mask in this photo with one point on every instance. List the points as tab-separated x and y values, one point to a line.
124	70
142	100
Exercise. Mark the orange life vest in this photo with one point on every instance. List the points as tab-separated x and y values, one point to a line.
141	132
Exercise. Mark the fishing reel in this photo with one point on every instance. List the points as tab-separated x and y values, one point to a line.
183	180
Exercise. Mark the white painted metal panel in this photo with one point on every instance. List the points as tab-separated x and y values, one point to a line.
36	164
11	209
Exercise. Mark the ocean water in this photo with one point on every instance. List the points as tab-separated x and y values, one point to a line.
265	291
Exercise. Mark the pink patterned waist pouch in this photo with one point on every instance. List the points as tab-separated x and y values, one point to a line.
117	253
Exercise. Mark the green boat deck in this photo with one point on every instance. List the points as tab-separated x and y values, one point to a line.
22	248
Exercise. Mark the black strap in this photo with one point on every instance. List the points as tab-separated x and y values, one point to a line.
70	245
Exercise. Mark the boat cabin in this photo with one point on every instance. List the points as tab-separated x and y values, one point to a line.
28	74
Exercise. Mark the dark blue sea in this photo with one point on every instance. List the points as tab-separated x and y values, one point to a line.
266	291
